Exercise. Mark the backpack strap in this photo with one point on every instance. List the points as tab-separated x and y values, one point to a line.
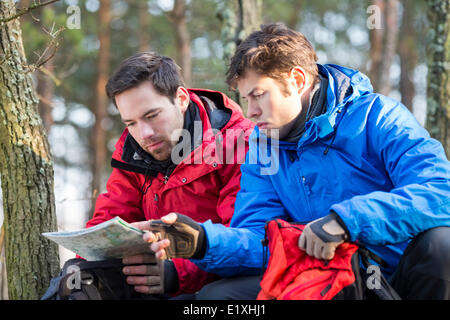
386	291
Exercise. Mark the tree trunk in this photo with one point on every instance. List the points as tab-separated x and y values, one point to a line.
239	18
101	102
383	46
3	278
376	48
144	26
294	17
407	50
251	16
438	91
26	171
183	39
390	46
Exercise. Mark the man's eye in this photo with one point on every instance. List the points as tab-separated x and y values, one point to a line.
153	116
258	95
129	124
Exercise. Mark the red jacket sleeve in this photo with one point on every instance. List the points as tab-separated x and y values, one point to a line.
123	198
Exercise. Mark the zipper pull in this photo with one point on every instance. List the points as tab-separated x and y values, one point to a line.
166	178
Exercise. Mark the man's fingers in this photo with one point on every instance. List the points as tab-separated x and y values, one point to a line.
149	289
140	259
149	237
170	218
161	254
141	225
148	269
328	253
156	246
144	281
318	251
310	243
302	242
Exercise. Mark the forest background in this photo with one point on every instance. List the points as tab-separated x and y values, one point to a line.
73	46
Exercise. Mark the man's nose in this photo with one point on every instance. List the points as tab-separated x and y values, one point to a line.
253	110
145	131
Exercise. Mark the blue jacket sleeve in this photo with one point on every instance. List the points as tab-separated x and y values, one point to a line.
237	250
420	174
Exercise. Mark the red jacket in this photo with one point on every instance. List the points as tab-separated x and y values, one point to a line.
202	191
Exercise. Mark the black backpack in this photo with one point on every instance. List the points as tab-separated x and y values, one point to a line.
92	280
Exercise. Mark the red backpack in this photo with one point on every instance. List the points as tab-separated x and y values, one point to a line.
291	274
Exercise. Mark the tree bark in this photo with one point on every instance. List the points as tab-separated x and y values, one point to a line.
390	46
26	169
144	25
183	39
251	16
239	18
438	91
3	278
383	46
407	50
101	102
376	48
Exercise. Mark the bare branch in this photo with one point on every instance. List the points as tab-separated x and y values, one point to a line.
52	47
23	11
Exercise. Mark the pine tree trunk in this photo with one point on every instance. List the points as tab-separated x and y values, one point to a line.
3	278
383	46
144	25
239	18
183	40
407	50
101	102
376	48
438	91
251	15
26	171
390	46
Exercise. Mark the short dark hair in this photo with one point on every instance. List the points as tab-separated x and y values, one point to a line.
272	51
161	71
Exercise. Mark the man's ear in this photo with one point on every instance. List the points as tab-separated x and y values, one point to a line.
182	98
299	78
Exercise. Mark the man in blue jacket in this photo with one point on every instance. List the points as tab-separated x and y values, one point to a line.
352	164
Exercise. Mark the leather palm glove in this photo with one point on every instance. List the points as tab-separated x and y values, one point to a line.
321	237
187	238
149	275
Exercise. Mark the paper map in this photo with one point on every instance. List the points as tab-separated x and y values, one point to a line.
111	239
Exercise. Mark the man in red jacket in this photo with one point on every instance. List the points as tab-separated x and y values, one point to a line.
181	152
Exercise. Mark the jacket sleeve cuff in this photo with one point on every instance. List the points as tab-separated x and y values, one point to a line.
350	224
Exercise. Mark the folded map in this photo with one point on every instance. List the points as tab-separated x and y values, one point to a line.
112	239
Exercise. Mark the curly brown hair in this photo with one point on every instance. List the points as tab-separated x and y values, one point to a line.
272	51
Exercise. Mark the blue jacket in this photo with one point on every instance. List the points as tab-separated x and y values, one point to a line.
366	158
